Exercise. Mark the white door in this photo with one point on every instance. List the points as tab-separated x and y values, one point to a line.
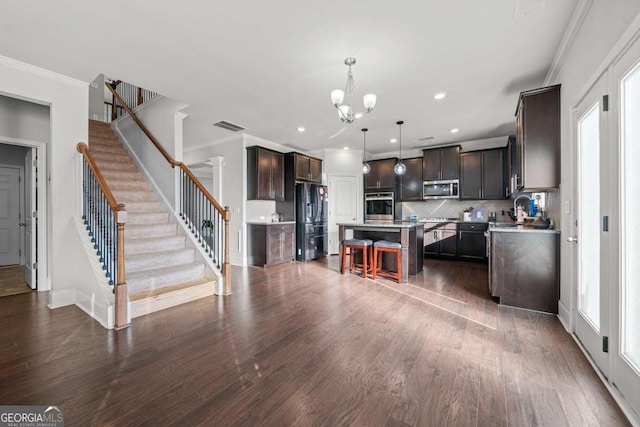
343	206
30	218
626	299
9	216
593	245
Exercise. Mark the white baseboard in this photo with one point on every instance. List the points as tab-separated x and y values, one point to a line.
101	311
564	315
62	298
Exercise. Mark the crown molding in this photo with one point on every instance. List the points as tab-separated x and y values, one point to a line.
41	72
570	34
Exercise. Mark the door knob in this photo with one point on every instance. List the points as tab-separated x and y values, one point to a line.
572	239
23	224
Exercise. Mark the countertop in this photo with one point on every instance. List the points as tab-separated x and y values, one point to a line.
381	224
270	222
522	229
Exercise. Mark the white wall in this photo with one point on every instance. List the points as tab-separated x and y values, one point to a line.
163	119
69	274
605	22
24	120
11	154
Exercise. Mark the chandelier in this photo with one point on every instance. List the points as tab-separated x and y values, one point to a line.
341	99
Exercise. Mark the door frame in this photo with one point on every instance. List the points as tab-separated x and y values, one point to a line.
568	309
44	278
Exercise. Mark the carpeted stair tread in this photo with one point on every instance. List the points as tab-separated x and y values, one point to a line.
124	196
144	206
121	175
100	156
153	260
153	244
166	276
118	167
127	185
97	149
138	218
141	231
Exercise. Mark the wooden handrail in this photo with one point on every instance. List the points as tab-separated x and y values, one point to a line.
120	214
84	150
225	212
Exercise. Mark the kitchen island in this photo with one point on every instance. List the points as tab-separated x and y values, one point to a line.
410	235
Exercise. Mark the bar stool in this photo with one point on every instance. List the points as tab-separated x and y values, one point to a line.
385	246
356	244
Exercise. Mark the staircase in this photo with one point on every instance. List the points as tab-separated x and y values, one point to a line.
160	270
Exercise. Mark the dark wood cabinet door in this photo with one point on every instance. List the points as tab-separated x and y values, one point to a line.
431	242
301	167
386	176
277	176
431	165
411	181
449	162
493	185
448	243
471	175
288	244
315	170
264	174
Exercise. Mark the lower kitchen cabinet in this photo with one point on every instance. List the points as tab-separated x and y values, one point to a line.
440	239
270	244
471	241
524	269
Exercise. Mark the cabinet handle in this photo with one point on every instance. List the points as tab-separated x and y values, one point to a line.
516	180
506	192
479	194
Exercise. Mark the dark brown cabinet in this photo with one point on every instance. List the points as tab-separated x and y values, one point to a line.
483	175
411	181
538	140
381	176
533	284
441	239
265	174
305	168
441	163
472	242
270	244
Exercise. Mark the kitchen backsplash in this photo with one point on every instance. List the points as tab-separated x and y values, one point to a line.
260	210
454	208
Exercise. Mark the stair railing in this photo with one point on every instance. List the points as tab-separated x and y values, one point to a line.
129	95
203	215
104	219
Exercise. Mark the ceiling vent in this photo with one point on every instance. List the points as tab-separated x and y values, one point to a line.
425	138
229	126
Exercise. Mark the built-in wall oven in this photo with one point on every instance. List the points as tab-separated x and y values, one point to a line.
378	206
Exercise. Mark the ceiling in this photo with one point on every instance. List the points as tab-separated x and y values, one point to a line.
270	66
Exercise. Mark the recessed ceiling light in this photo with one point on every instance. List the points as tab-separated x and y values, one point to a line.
301	129
440	95
454	130
393	140
358	115
346	148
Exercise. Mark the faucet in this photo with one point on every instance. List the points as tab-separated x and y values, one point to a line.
515	203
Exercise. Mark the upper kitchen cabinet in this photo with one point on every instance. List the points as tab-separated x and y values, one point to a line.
305	168
265	174
381	176
441	163
482	175
411	181
538	140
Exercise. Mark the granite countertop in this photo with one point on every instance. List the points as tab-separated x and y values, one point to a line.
381	224
522	229
270	222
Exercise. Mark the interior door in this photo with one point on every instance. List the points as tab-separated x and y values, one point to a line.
30	218
625	345
592	244
343	206
9	216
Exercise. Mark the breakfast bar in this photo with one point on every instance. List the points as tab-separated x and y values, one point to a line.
410	235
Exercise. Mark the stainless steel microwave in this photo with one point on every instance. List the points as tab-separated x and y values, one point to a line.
444	189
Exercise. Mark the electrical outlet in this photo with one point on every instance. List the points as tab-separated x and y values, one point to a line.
94	85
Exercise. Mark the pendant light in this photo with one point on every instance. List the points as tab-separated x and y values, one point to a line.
366	167
400	168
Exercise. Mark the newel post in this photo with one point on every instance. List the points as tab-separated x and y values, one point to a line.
123	317
226	266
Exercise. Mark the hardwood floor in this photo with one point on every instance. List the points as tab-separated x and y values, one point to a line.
12	281
300	344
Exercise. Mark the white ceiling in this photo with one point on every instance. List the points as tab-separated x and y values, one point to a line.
269	66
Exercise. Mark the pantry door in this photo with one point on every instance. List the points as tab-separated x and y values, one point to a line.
592	203
626	303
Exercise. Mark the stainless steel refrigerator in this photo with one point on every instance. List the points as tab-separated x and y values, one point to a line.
311	221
